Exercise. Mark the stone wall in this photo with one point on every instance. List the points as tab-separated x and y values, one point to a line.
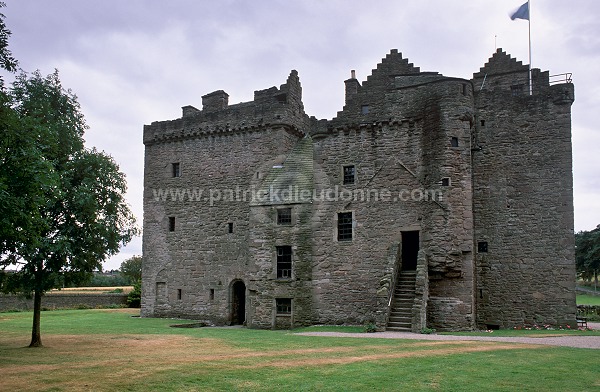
523	200
62	300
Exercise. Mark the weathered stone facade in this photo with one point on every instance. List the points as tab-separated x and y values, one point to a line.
257	213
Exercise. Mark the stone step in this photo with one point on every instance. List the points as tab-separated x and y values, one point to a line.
403	306
400	319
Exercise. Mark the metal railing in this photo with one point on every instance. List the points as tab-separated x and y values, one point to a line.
561	78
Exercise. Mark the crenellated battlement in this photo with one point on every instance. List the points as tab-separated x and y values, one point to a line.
271	107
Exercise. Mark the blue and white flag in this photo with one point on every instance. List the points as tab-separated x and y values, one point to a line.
522	12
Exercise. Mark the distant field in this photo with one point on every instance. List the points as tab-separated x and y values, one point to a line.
109	350
93	290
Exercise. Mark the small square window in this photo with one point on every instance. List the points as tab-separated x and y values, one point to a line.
445	181
283	305
284	216
482	247
344	226
364	109
284	262
517	89
175	169
171	223
454	142
349	175
230	225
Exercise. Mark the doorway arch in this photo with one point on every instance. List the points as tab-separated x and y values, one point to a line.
238	303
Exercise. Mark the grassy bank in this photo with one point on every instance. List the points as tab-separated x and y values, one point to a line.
108	350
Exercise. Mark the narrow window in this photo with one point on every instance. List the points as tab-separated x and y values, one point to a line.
464	89
284	262
482	247
179	294
211	294
283	305
482	122
364	109
230	224
349	172
454	142
344	226
175	169
284	216
445	181
171	223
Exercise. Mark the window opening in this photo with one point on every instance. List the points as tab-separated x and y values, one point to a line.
230	224
349	173
284	262
283	305
482	247
171	223
517	89
364	109
175	169
454	142
179	294
344	226
445	181
284	216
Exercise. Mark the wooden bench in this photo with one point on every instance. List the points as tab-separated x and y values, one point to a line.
581	321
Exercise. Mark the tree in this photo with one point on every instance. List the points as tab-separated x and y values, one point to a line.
132	269
7	61
63	208
587	254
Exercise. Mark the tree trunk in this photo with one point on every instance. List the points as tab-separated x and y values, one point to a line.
36	337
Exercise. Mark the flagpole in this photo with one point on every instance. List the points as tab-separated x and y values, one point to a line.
530	74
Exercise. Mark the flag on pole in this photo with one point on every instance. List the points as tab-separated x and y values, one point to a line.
522	12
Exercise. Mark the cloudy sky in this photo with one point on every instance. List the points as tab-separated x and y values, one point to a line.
132	62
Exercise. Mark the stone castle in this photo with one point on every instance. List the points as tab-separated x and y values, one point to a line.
428	201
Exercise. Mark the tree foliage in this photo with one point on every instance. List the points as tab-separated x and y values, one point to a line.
587	253
7	61
62	206
132	269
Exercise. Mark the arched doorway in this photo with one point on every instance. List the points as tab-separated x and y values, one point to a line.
238	303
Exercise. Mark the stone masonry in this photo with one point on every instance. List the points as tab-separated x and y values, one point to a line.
257	214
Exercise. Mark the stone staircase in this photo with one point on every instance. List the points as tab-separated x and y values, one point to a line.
402	303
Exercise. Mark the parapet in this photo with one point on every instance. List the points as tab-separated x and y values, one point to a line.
271	106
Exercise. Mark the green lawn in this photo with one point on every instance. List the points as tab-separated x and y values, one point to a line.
584	299
108	350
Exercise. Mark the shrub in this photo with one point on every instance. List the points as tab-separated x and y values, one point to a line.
134	298
427	331
370	327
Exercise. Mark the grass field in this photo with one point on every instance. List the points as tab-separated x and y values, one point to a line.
93	290
109	350
584	299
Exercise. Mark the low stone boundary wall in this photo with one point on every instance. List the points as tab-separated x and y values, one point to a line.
62	300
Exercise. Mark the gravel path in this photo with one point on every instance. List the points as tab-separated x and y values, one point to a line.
566	341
